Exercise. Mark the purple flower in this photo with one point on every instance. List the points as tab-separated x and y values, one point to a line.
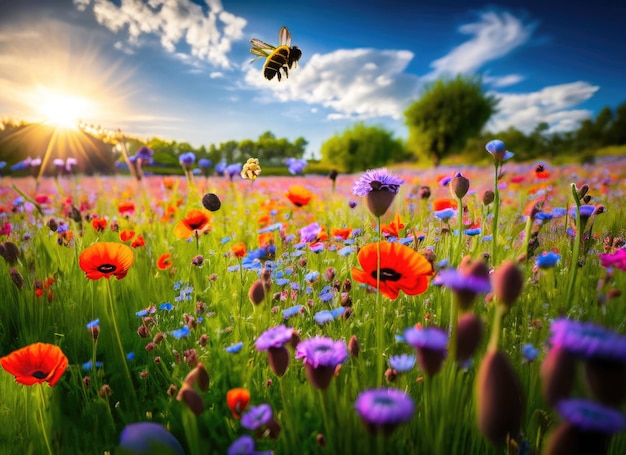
233	169
588	340
204	163
352	204
148	437
497	149
295	165
310	232
590	416
429	338
458	281
322	351
402	363
257	416
187	159
547	259
384	408
274	337
242	446
585	211
376	180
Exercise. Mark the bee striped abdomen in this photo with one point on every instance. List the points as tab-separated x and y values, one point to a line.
275	61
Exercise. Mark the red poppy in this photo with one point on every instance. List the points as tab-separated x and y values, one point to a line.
103	259
35	364
99	224
139	241
195	222
126	235
238	250
126	208
237	400
299	195
444	203
401	268
393	229
164	262
342	233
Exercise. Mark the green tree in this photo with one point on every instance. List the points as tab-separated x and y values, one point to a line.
362	147
449	112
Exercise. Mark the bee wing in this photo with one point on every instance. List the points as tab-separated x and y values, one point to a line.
284	37
260	52
258	44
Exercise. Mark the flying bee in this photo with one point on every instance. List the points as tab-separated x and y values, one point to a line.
282	57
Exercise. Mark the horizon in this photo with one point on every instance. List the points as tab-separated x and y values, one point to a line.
182	72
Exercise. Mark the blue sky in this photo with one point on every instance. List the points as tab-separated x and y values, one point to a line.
180	69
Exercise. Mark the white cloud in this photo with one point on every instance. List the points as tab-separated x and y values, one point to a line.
494	36
209	36
503	81
216	75
359	83
552	105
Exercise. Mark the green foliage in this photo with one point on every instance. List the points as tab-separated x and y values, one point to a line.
448	113
362	147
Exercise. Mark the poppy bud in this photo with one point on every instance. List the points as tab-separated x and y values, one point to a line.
158	338
508	281
16	277
488	197
424	192
105	391
273	429
172	390
10	252
586	199
256	293
500	405
582	192
391	374
558	371
354	347
53	224
459	185
568	439
321	440
430	360
379	201
278	358
333	174
319	377
191	398
198	376
469	331
211	202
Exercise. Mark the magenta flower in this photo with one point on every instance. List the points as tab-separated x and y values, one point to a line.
617	259
275	337
320	356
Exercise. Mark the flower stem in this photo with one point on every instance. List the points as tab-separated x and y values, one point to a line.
497	327
459	241
42	422
379	314
574	264
496	210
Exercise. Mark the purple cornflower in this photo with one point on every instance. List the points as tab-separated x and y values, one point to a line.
588	340
384	409
376	180
243	445
498	151
257	416
274	337
148	437
187	159
585	211
144	153
233	169
547	259
204	163
295	165
431	344
458	281
590	416
322	351
402	363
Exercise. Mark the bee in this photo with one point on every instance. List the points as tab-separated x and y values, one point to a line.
282	57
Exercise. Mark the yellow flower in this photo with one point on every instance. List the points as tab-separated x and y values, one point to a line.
251	170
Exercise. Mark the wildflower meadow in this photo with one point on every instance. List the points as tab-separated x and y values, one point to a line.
453	310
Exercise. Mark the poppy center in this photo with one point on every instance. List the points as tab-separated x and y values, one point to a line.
387	274
106	268
39	374
197	225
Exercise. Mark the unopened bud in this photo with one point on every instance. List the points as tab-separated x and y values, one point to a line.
459	185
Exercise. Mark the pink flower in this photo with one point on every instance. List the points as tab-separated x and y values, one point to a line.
617	259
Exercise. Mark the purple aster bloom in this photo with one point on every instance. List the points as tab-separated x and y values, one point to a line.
497	149
148	437
588	340
144	153
457	281
376	180
547	259
590	416
187	159
310	232
384	408
204	163
257	416
233	169
402	363
274	337
530	352
296	166
322	351
429	338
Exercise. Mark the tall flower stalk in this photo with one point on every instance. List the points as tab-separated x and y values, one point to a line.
500	155
576	251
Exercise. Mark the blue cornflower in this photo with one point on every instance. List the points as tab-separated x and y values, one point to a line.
547	259
291	311
181	333
234	348
498	151
93	324
89	365
445	214
204	163
312	276
530	352
317	247
142	313
327	293
130	356
281	281
402	363
345	251
166	306
472	232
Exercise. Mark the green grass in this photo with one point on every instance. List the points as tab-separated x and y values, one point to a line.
80	421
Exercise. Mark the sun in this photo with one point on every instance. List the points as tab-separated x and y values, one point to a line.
60	109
